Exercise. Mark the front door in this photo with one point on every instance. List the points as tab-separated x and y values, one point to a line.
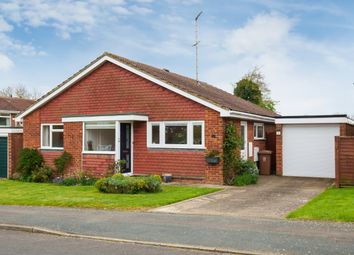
244	140
125	145
3	157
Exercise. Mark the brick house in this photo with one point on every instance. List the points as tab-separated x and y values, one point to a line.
10	132
158	121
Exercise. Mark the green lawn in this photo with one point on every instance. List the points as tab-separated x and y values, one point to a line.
333	205
40	194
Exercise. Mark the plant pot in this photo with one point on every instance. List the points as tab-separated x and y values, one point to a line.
167	178
212	160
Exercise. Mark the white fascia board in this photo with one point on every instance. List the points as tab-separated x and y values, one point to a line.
9	112
130	117
248	116
129	68
326	120
5	131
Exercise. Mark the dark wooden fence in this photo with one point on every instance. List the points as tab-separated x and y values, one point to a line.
344	161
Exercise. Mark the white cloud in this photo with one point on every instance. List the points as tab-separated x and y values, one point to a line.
306	76
260	34
5	63
4	26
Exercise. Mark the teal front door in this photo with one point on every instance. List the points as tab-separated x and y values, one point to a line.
3	157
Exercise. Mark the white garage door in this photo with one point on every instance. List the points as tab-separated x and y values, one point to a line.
309	150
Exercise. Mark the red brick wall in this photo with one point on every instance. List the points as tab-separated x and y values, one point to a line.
15	143
279	150
111	89
344	161
96	165
49	156
73	144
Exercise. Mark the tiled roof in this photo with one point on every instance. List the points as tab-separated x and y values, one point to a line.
14	104
201	89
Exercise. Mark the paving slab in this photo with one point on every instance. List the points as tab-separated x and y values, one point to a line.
272	197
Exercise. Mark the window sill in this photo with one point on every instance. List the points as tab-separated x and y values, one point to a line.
51	149
100	152
177	147
259	139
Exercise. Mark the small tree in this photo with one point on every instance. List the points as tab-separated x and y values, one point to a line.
252	87
231	146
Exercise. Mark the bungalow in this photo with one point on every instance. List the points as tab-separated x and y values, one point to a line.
156	120
10	132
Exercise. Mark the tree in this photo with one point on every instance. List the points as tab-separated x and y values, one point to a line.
252	87
19	91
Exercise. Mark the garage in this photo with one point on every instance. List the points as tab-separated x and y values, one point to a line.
306	144
3	157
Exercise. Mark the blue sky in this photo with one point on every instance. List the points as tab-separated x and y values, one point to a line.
304	48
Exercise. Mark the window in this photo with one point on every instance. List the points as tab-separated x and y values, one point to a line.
155	134
52	136
4	120
99	137
258	131
176	134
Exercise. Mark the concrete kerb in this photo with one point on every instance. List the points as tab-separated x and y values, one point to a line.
38	230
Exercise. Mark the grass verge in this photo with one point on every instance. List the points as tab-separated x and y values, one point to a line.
43	194
332	205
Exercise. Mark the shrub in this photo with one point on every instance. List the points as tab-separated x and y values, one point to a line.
80	178
245	179
129	185
231	147
29	161
69	181
62	162
247	166
42	174
247	173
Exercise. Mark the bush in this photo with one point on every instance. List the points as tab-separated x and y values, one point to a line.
245	179
247	166
29	161
129	185
247	173
62	162
69	181
80	178
42	174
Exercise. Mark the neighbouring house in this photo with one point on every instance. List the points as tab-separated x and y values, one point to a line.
10	132
158	121
305	145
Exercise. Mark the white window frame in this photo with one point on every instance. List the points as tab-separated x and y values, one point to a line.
255	127
6	116
84	151
163	145
51	130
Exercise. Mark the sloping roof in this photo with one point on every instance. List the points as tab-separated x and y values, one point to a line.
202	90
14	104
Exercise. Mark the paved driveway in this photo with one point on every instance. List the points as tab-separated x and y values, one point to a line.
272	197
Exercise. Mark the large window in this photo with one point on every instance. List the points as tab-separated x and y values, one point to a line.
258	131
4	120
176	134
99	137
52	136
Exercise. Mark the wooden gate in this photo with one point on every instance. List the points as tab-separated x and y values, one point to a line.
344	161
